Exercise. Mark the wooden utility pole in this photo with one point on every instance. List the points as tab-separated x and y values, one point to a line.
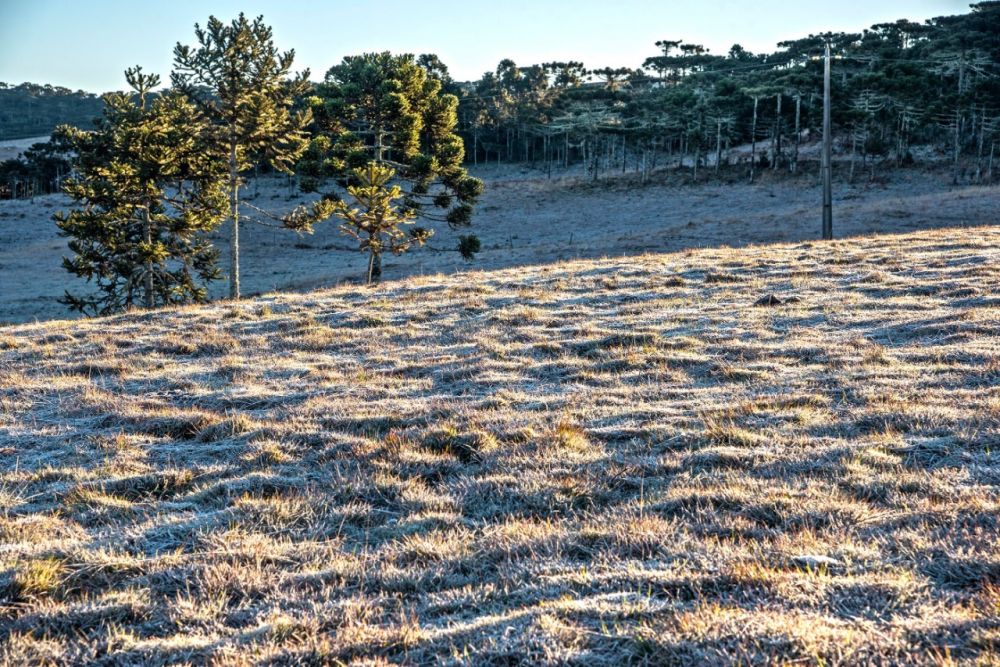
234	213
718	146
989	168
827	158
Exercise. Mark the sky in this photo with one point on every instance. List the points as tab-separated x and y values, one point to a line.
88	44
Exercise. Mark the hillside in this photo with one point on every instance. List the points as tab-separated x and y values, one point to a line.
31	109
595	461
523	219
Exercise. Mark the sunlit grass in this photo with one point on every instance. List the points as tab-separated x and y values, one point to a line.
595	462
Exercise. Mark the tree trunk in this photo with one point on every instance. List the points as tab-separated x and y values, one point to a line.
547	154
899	141
982	141
989	166
753	141
774	145
854	150
718	146
234	213
958	142
374	268
595	158
148	282
697	147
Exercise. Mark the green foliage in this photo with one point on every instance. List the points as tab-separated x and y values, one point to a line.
377	217
149	189
245	88
392	110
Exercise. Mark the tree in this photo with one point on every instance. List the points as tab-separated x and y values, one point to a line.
150	192
436	69
613	77
386	109
377	220
566	74
245	87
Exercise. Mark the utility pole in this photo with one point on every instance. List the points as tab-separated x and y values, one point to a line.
718	146
827	158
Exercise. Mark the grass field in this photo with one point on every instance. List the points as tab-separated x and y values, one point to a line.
523	219
599	462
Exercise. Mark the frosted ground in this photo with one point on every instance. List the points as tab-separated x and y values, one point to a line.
593	462
525	219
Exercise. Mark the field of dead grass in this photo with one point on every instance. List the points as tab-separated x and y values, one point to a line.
594	462
522	219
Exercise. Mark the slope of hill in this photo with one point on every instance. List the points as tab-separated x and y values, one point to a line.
522	219
599	461
14	147
31	109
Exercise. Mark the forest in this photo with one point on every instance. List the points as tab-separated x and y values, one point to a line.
33	110
896	85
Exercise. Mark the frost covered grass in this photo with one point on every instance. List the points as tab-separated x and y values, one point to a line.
596	461
523	219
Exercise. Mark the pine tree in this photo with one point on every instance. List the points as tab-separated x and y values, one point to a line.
245	86
150	192
388	110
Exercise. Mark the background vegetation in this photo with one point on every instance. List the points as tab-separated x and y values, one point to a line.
896	85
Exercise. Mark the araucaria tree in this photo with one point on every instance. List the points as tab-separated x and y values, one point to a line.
245	87
149	192
377	219
391	111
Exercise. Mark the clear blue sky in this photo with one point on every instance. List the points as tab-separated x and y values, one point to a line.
88	43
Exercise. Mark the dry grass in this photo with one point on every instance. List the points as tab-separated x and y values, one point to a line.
597	462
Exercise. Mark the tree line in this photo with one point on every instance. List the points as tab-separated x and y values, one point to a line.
33	110
896	85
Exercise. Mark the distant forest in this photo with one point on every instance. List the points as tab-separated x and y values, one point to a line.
895	85
33	110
